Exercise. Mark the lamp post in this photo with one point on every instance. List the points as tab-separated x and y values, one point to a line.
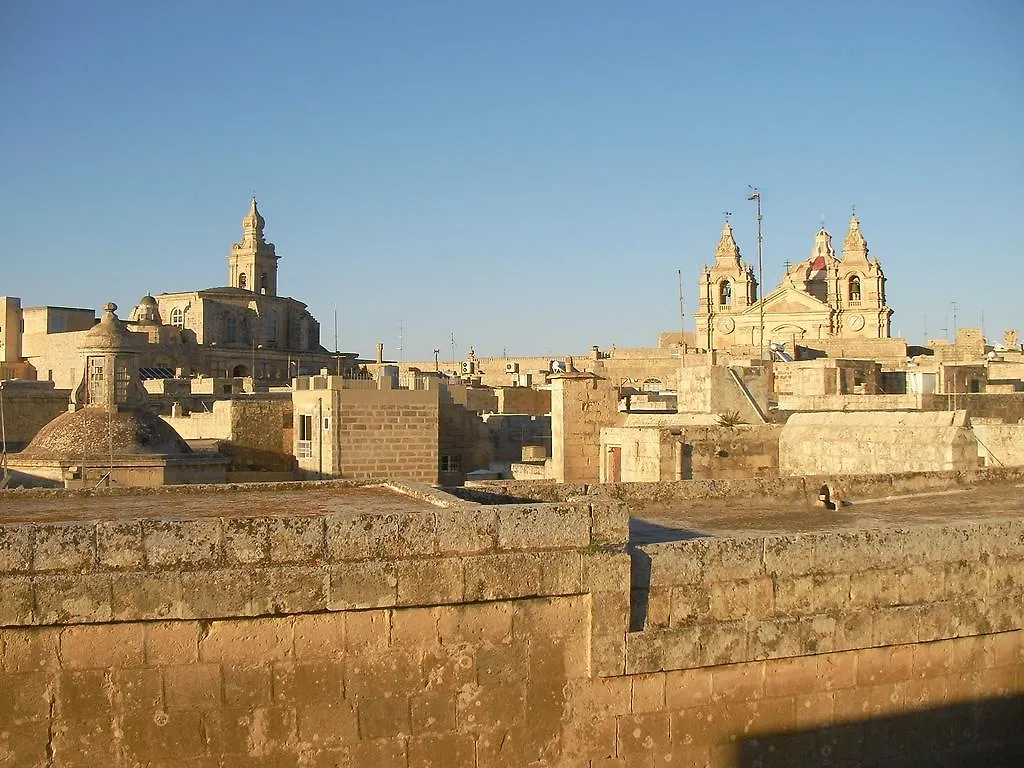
755	195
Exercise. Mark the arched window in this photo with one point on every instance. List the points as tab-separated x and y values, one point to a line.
230	328
178	317
241	280
854	288
263	283
725	293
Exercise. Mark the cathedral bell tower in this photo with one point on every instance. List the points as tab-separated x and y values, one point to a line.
252	264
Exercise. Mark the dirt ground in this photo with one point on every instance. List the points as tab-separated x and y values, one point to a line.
746	517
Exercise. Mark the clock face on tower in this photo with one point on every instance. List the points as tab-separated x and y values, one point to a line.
726	324
856	322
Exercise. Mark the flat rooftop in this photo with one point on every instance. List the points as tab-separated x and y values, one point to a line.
669	521
205	501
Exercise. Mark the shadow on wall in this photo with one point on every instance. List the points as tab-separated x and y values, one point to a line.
976	733
642	532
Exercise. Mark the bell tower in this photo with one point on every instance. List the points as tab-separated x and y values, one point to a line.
252	263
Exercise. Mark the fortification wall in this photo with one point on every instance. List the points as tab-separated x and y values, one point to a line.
469	636
28	406
1000	445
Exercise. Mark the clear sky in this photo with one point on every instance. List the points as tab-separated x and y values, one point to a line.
526	175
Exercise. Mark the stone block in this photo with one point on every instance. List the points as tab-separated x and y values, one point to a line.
690	602
892	664
876	588
501	576
246	540
24	696
416	627
142	595
247	686
181	543
792	676
85	741
561	572
329	723
15	548
548	526
734	558
171	642
296	539
15	600
356	536
417	535
685	688
894	626
64	547
384	716
429	581
644	734
609	523
72	599
148	736
608	654
678	563
308	682
853	630
645	651
289	589
738	682
30	649
367	631
478	707
432	712
119	545
607	571
240	641
610	612
192	686
319	635
469	531
215	593
817	633
683	647
723	642
774	638
102	646
965	579
486	622
920	584
441	750
792	555
26	745
366	584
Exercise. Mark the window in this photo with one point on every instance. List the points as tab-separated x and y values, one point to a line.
178	317
451	463
263	283
725	293
272	326
121	381
304	445
230	328
95	372
854	288
241	280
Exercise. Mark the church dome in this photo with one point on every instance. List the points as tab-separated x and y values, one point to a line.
147	310
95	433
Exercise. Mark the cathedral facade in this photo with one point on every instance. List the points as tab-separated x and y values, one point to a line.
822	297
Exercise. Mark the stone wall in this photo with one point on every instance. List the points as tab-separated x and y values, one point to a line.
27	407
581	404
1000	445
469	636
523	400
824	443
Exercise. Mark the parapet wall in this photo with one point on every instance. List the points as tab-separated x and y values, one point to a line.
499	636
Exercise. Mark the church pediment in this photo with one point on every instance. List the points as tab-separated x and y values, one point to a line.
789	300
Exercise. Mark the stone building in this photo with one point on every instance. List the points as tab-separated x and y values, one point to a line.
821	297
243	329
108	436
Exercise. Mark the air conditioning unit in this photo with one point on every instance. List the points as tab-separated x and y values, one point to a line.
467	367
511	367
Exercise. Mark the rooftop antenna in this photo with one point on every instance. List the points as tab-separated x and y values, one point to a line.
454	361
335	327
954	322
401	342
680	274
755	195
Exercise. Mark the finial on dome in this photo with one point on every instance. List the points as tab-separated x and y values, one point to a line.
727	248
110	307
253	222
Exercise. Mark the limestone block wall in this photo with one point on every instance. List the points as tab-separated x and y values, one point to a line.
825	443
711	601
1000	445
802	402
523	400
580	406
28	406
645	454
472	636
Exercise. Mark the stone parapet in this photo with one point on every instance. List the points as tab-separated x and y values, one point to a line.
713	601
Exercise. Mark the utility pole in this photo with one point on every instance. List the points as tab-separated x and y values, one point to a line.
954	322
454	361
755	195
436	353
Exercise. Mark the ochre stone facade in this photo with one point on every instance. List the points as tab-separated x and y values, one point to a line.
503	636
821	297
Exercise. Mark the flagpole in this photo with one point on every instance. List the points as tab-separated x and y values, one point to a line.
755	195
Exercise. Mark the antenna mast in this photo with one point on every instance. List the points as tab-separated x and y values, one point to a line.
681	306
755	195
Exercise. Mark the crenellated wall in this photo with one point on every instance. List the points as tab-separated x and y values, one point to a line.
436	632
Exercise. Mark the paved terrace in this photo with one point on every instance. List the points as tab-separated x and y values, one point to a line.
667	521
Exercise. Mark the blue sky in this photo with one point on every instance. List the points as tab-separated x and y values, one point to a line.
526	175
